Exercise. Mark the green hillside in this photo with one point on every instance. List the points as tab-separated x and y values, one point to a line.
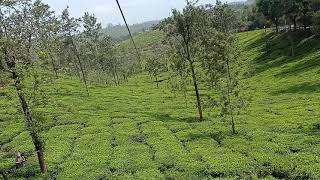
144	41
120	32
139	131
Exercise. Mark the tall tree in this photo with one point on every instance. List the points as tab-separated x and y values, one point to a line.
272	10
224	18
46	27
220	60
306	16
17	33
90	37
183	35
69	29
293	9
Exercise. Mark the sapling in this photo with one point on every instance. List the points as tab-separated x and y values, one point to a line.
220	60
230	86
183	34
69	28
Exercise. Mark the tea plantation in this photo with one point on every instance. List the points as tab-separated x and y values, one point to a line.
139	131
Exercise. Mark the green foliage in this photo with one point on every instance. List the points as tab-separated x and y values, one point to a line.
135	131
316	23
115	133
272	9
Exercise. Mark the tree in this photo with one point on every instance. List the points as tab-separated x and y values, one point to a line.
223	18
47	27
272	10
90	39
17	32
106	57
154	66
255	18
306	17
183	38
293	9
69	28
220	61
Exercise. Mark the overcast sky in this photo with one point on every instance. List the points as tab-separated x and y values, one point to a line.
136	11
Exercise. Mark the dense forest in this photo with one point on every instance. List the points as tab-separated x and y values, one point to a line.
221	90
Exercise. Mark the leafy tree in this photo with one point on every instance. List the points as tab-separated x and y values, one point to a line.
255	18
90	38
106	56
220	61
183	35
293	9
47	26
224	18
69	29
272	10
154	66
18	31
306	14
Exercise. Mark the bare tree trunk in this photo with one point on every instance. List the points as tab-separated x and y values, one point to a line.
294	23
74	48
114	77
41	160
277	25
195	83
29	123
117	76
10	66
157	81
54	66
9	63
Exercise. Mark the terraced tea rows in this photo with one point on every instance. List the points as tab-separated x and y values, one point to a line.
139	131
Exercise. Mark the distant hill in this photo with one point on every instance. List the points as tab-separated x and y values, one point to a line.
120	32
244	2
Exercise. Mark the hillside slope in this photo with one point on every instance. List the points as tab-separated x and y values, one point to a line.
120	32
139	131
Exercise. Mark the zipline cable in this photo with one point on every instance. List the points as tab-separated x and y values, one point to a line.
125	21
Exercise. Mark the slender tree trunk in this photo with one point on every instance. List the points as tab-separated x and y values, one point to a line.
117	76
10	66
195	83
29	122
114	77
74	48
304	21
9	63
41	160
277	25
157	81
54	66
292	54
294	23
